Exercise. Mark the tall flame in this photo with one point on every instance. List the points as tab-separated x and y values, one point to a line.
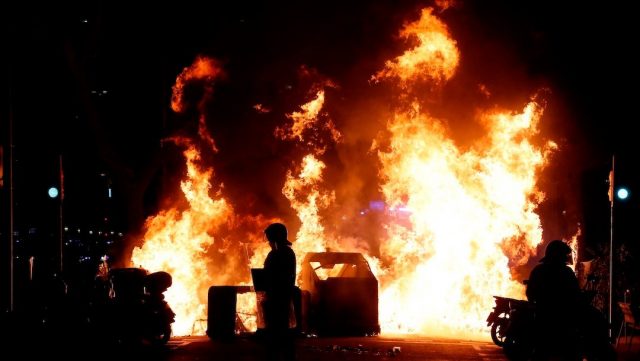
304	190
469	214
176	241
456	220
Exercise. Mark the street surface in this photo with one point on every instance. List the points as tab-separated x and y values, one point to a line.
337	349
249	348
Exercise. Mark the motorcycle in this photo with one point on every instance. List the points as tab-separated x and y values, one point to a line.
513	322
135	312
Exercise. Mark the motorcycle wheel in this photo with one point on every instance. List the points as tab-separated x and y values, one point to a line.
498	332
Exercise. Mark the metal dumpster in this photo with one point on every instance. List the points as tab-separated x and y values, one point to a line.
221	321
342	294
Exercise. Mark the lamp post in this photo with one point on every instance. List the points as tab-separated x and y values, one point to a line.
61	225
611	245
611	199
622	194
53	193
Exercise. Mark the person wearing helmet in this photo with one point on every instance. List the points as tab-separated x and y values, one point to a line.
553	288
280	272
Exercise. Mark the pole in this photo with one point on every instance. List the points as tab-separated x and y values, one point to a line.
11	226
61	226
611	199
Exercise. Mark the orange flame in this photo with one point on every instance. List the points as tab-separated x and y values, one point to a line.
445	4
307	199
463	209
305	128
176	241
304	190
434	58
202	69
456	219
205	69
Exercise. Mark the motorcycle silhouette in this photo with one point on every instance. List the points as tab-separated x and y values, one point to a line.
134	311
513	322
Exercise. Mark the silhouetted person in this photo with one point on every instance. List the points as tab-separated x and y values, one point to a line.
554	289
280	274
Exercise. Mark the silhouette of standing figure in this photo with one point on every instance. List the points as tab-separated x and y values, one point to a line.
280	274
553	288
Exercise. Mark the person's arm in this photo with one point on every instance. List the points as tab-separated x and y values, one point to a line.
573	284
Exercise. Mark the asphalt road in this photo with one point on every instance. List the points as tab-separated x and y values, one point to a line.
338	349
201	348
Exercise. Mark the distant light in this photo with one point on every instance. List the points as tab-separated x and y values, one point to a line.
376	205
623	193
109	192
53	192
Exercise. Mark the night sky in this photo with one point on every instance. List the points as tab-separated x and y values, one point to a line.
91	81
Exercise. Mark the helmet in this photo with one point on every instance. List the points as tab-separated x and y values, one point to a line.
557	251
277	232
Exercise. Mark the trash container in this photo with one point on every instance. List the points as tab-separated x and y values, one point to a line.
341	294
221	320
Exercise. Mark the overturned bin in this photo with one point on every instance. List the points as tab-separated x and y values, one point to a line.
341	294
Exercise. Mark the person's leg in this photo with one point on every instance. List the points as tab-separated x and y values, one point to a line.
271	345
289	345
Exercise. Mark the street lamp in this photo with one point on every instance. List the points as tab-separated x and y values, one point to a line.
622	193
53	192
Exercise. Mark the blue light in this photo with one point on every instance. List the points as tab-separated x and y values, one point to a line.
53	192
622	193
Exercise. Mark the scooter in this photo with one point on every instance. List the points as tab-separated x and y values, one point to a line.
135	311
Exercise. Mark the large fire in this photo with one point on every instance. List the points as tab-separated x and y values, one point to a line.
455	220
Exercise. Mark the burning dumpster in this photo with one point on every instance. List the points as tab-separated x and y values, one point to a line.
341	294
